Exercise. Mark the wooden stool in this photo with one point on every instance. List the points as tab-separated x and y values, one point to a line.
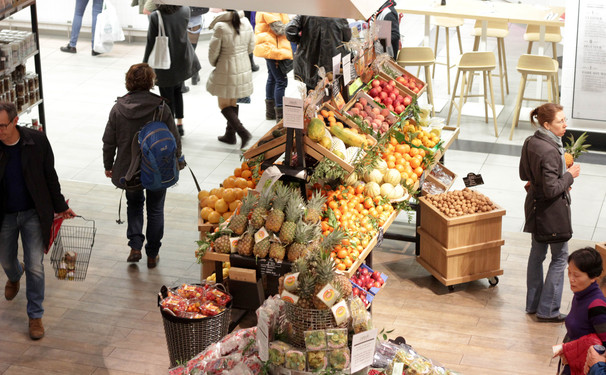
535	65
421	57
498	30
470	63
447	23
552	35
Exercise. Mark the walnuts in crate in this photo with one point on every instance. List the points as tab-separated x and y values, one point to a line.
461	202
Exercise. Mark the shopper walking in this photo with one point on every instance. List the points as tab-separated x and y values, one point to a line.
184	62
194	27
547	210
318	40
272	45
586	322
77	24
231	42
130	113
30	196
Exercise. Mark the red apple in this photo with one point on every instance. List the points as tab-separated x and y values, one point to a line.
376	82
399	109
376	275
373	92
407	100
377	284
364	271
388	101
383	95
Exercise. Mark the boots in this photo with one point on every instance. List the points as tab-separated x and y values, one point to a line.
270	112
253	66
278	114
231	115
230	133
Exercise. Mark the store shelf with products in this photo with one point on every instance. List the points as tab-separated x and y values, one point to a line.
17	86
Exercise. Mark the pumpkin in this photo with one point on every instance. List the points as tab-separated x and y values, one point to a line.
372	189
374	176
392	176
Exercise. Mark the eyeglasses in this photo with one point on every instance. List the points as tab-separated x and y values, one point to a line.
563	121
5	126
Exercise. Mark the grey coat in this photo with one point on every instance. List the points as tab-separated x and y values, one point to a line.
541	165
184	62
126	118
228	53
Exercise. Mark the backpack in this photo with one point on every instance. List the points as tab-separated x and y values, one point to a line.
154	163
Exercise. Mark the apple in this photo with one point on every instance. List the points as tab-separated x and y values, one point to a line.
407	100
415	90
377	284
390	107
388	101
363	101
356	291
399	109
376	275
383	95
373	92
377	99
375	83
392	83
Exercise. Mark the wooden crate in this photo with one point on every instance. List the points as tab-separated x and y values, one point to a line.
460	264
463	230
601	248
403	72
432	179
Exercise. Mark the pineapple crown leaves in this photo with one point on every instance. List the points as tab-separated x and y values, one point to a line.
332	239
304	233
317	201
300	265
248	203
282	193
267	195
576	148
325	267
294	210
306	284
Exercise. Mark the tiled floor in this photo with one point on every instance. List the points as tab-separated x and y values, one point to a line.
110	324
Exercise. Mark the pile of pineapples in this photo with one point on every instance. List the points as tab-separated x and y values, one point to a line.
293	227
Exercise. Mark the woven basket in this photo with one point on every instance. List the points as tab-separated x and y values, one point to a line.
300	320
186	338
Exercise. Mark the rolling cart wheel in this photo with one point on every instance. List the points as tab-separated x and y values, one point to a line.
493	280
451	288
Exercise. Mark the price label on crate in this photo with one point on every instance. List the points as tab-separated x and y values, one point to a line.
473	179
380	237
293	113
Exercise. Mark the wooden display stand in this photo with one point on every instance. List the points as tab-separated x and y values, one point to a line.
460	249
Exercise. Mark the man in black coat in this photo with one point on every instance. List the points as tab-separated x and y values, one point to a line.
30	195
388	12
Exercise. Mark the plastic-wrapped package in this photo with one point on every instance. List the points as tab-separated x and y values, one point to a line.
217	366
174	303
315	340
219	297
209	308
317	360
239	369
295	360
242	341
339	359
190	315
336	338
385	351
277	352
357	309
179	370
191	291
254	364
363	323
213	351
420	366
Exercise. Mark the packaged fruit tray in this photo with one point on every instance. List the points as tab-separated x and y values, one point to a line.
387	94
405	81
369	280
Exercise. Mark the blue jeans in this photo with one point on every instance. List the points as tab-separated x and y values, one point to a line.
155	220
28	224
544	298
276	83
77	21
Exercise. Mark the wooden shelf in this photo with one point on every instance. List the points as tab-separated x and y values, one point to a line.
10	11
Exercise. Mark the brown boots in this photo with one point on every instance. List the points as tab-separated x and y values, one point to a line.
234	126
36	329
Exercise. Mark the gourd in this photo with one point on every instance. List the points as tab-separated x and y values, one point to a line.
386	190
374	176
381	165
372	189
351	179
392	176
398	192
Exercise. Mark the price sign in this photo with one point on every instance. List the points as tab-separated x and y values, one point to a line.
336	64
347	69
293	113
473	179
363	349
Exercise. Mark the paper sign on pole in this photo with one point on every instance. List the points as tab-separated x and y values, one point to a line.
346	69
293	113
363	349
263	339
336	64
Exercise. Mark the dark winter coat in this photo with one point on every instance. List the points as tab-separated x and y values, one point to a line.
318	40
388	12
126	118
40	178
541	164
184	62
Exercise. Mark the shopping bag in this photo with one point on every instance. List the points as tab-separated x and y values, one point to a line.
108	29
159	58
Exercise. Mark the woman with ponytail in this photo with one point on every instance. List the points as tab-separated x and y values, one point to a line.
547	210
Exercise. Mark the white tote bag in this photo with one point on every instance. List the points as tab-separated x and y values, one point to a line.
159	58
108	29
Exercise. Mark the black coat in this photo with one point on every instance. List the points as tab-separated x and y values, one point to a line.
541	164
318	40
388	12
40	177
184	62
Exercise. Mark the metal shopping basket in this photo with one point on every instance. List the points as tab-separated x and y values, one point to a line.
72	248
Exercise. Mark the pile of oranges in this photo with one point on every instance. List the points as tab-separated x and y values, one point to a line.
359	215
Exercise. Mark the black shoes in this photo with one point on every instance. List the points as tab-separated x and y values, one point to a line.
68	49
556	319
152	262
180	130
95	53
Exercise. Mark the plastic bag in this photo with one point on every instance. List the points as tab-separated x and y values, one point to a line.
108	29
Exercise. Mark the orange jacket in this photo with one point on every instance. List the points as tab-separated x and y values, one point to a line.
267	44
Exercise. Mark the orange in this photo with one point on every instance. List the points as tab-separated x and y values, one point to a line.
229	195
247	174
400	167
413	151
391	164
233	206
414	177
400	149
221	206
211	200
204	212
393	141
227	215
410	181
418	171
237	172
415	163
202	194
229	182
422	153
348	263
214	217
341	267
241	183
244	166
342	253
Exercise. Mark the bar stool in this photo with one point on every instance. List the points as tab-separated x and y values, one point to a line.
470	63
535	65
552	35
446	23
498	30
421	57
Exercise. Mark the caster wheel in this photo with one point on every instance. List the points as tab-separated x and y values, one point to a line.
493	280
451	288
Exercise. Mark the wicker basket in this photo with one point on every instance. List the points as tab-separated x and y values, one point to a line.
186	338
299	320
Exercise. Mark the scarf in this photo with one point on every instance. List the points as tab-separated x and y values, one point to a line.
558	141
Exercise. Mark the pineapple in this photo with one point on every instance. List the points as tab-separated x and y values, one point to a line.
325	273
293	215
313	211
277	251
275	218
222	244
261	248
303	234
245	243
575	148
305	290
259	214
239	222
343	285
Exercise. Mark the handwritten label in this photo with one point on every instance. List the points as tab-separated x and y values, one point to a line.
346	69
270	267
263	339
363	349
293	113
336	64
473	179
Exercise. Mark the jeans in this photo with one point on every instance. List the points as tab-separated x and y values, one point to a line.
77	22
155	220
174	97
28	224
276	83
544	298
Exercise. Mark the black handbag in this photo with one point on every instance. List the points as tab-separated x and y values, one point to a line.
285	66
552	219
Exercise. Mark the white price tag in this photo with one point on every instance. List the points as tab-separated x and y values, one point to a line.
336	64
293	113
363	349
346	69
262	339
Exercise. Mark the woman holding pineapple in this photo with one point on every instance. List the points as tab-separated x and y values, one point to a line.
547	210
